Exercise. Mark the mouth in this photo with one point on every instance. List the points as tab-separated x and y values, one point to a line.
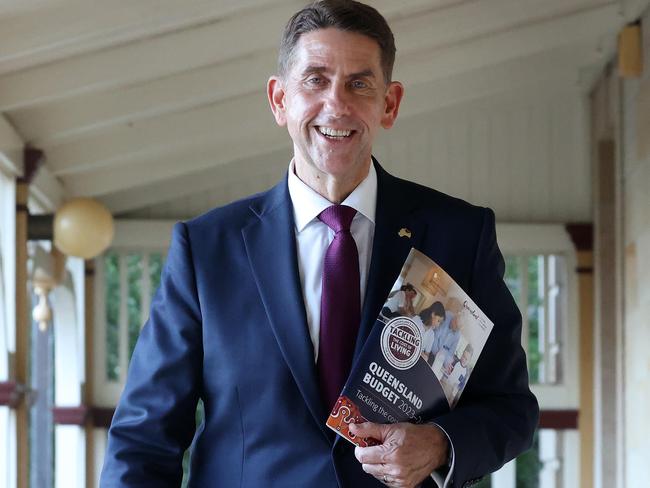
335	134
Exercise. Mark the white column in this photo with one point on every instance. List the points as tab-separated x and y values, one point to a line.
506	477
69	440
7	320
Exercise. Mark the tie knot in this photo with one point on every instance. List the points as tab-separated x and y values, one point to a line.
337	217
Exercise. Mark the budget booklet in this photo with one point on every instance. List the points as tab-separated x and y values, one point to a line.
419	355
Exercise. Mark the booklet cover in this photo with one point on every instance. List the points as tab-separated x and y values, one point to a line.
419	355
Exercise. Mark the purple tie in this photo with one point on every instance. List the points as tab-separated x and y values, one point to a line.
340	304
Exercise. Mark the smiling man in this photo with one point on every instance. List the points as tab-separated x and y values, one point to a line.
314	259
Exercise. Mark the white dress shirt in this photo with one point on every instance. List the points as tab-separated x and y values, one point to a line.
313	238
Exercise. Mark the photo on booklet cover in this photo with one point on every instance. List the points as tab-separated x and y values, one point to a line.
452	327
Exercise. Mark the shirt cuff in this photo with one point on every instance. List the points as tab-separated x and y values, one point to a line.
442	476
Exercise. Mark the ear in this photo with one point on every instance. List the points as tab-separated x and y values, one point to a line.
392	100
275	93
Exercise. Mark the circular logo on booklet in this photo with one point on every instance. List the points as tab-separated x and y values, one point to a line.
401	342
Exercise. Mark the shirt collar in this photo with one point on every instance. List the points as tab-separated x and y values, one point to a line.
308	204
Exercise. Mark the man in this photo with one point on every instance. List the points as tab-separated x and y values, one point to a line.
265	356
447	338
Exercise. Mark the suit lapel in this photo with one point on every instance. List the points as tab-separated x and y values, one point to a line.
395	211
271	247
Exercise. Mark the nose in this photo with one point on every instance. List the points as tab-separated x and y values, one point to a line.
337	102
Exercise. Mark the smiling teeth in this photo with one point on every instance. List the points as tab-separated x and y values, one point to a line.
333	132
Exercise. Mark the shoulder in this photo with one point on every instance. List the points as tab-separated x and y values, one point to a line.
426	198
238	214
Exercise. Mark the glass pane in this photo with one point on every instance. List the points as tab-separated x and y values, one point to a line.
155	268
41	426
529	466
199	416
513	277
535	315
486	482
112	297
134	273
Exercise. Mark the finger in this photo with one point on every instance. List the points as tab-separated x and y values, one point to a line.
368	429
381	470
371	455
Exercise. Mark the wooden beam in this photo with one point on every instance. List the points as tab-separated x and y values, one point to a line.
127	192
11	148
57	30
89	368
71	118
64	29
47	190
519	41
224	122
217	147
121	65
558	419
117	142
582	236
22	333
165	166
196	182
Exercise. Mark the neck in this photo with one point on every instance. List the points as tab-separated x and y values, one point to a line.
333	187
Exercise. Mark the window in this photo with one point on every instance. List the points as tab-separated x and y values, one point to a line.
538	284
539	260
130	278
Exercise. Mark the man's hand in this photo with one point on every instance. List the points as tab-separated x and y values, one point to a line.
407	455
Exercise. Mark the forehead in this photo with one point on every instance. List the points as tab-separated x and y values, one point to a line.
337	50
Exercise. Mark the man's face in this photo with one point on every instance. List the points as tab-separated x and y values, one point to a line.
333	100
455	324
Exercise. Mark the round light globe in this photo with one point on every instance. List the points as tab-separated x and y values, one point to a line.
83	228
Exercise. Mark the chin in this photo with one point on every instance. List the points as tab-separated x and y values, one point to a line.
340	168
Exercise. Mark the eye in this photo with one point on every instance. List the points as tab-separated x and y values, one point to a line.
359	84
315	80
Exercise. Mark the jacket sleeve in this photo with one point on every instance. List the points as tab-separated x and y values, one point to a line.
155	419
497	414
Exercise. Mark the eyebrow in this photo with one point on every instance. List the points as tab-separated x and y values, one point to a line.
367	73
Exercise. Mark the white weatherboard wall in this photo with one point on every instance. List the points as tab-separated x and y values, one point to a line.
525	154
636	236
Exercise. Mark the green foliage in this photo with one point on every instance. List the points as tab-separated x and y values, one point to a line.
535	301
134	274
486	482
529	466
514	278
134	302
199	416
155	269
112	299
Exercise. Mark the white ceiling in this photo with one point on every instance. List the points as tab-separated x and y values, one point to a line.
130	98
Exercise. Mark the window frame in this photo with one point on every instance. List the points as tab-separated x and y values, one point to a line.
131	236
535	239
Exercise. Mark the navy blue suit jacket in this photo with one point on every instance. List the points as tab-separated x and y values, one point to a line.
228	325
